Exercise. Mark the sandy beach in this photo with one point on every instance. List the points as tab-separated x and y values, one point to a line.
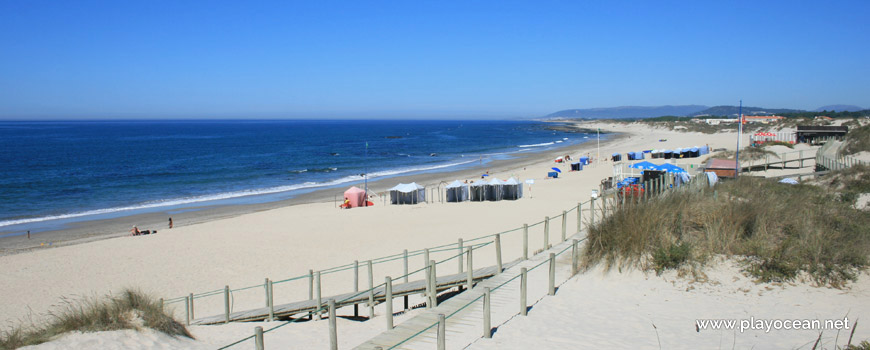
283	241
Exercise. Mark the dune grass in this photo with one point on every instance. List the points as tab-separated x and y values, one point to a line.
857	140
778	230
131	309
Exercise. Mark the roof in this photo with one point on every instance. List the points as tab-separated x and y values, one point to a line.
407	188
814	128
455	184
722	164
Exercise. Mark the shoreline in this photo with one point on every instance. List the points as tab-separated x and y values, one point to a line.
85	231
240	249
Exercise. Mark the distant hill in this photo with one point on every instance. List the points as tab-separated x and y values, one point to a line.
627	112
735	110
839	108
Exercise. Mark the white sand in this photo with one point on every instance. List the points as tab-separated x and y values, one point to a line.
286	242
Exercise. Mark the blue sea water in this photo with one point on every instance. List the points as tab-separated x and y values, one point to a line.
78	169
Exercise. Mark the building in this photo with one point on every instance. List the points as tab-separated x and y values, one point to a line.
815	134
723	168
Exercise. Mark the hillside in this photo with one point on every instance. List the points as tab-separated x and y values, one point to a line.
839	108
735	110
626	112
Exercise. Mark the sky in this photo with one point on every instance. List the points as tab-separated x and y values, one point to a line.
423	59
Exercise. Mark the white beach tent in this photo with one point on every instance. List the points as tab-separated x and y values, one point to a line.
512	189
457	192
493	189
477	191
411	193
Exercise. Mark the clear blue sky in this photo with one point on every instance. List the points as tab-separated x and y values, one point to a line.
421	59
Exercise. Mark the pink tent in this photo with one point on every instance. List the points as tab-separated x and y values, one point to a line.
356	196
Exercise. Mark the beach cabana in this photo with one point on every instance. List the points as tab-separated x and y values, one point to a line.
576	166
494	189
584	160
668	154
356	197
616	157
457	192
411	193
638	155
512	189
477	191
703	150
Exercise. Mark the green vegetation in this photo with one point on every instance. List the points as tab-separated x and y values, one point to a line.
848	183
131	310
778	230
857	140
777	143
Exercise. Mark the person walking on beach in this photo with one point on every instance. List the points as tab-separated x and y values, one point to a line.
170	222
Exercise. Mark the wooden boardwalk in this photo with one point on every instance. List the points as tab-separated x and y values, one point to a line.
347	299
465	326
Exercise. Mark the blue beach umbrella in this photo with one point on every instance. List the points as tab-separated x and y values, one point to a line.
556	169
667	167
643	166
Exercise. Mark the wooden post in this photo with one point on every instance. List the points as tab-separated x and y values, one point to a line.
187	309
388	291
161	303
498	253
579	216
552	285
564	225
546	232
459	256
227	304
310	284
574	258
592	211
801	156
523	287
442	331
318	295
192	317
433	290
355	286
487	314
428	275
470	269
266	289
271	302
333	326
405	254
766	162
258	338
525	241
371	290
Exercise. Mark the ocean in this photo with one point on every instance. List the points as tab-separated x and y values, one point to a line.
83	170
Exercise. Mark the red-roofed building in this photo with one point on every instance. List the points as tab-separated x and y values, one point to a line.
722	167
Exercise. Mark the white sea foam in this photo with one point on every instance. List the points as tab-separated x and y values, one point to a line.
230	195
537	145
